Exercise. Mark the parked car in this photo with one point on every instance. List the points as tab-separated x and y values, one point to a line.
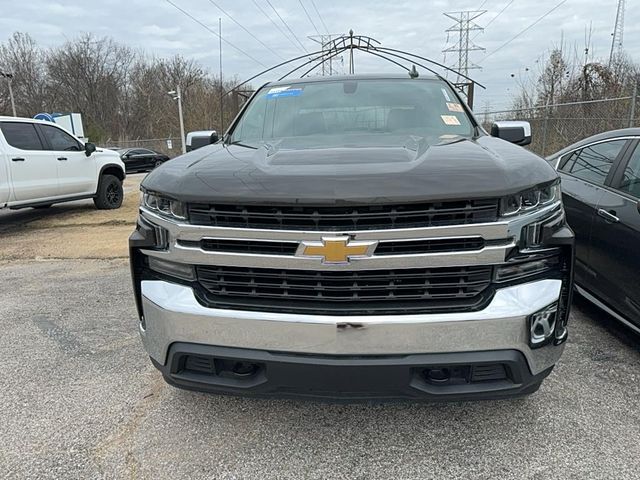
141	159
601	193
200	138
41	163
355	237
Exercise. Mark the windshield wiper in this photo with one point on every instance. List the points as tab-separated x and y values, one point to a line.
241	144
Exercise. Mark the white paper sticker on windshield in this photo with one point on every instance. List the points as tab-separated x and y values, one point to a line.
450	119
446	94
455	107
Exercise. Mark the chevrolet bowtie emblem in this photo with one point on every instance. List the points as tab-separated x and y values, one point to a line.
336	250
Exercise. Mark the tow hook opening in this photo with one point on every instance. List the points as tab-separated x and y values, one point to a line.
446	375
443	375
244	369
240	370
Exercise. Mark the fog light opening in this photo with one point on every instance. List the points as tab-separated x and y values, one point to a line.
542	325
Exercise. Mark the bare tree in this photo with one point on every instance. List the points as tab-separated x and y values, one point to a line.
22	57
88	75
121	94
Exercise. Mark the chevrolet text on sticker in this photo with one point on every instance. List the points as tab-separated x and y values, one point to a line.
455	107
280	92
450	119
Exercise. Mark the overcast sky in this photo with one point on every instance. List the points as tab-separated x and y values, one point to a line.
160	29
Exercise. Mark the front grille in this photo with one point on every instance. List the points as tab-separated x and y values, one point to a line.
245	246
346	293
345	218
439	245
398	247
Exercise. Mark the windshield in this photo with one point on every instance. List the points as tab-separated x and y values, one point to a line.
351	112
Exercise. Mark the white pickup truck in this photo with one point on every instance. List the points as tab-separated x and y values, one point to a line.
41	164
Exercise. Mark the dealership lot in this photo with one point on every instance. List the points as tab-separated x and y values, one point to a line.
83	401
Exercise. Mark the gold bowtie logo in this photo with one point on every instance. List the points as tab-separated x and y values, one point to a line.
335	250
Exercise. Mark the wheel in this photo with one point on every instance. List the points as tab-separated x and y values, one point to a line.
110	193
158	163
42	207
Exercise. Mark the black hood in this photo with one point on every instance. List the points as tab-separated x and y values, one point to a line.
460	169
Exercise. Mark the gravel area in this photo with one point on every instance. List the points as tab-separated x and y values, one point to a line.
81	400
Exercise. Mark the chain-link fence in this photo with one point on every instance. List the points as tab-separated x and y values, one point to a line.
169	146
553	126
557	126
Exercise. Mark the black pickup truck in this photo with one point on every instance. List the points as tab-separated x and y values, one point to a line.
355	237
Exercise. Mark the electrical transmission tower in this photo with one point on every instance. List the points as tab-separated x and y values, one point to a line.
465	24
618	30
326	42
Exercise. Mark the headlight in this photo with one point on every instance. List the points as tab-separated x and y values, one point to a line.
531	199
164	206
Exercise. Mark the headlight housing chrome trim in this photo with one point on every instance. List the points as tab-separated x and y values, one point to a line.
530	200
162	205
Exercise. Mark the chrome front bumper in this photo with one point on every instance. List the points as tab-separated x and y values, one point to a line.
172	314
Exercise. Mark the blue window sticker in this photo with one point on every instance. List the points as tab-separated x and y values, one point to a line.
284	92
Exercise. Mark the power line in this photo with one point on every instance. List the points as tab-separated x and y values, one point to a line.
319	16
494	18
287	25
214	33
526	29
243	28
274	23
309	17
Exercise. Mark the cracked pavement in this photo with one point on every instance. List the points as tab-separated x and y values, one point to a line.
81	400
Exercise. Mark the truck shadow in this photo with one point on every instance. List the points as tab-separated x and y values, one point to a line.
11	220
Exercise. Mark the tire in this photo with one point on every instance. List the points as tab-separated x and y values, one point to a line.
42	207
110	193
158	163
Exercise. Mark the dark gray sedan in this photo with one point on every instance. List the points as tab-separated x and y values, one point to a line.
601	194
141	159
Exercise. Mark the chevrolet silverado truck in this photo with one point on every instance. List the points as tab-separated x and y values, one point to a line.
357	237
41	164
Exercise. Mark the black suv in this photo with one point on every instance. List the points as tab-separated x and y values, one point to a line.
355	237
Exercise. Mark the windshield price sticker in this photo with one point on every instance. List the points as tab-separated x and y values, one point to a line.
279	92
455	107
450	119
445	94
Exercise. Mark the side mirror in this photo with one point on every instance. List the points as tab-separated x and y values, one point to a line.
89	148
214	138
512	131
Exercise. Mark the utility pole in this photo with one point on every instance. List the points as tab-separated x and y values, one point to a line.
177	95
351	66
9	77
221	133
465	23
634	95
325	44
618	31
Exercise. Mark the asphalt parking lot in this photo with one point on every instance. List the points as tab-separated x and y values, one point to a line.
81	399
